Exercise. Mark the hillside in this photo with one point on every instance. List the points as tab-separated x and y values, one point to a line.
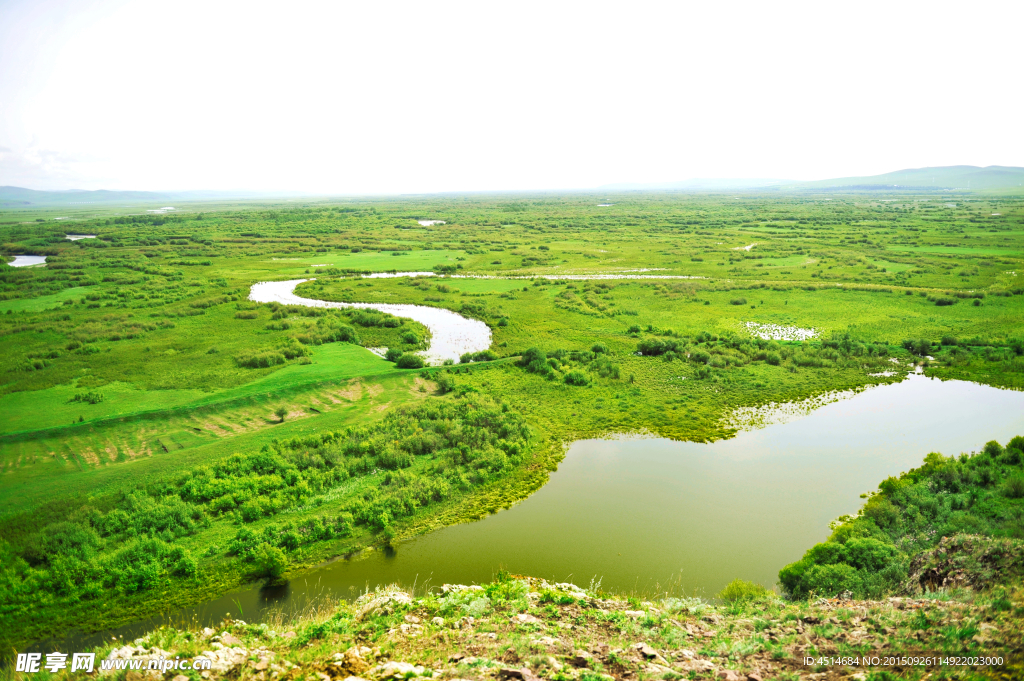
943	177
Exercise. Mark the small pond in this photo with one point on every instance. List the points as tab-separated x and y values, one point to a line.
643	514
28	260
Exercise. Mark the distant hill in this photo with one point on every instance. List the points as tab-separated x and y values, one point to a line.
944	177
14	197
697	184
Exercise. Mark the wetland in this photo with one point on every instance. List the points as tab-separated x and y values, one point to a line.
197	399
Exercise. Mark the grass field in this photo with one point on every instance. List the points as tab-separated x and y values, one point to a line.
135	360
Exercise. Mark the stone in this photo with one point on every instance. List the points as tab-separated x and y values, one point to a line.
262	664
412	619
646	650
180	677
381	602
526	618
523	674
207	633
437	621
288	634
728	675
754	676
457	657
229	640
353	661
396	669
581	658
634	613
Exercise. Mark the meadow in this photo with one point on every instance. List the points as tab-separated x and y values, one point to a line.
134	362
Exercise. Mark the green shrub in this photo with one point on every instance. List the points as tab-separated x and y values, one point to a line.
410	361
1014	487
740	590
578	378
738	301
832	580
270	561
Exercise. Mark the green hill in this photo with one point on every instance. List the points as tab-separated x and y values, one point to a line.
943	177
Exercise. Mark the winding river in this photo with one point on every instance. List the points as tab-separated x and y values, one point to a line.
452	335
650	515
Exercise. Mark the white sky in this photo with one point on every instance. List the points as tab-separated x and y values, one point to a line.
366	97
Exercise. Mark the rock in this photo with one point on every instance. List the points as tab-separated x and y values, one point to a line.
686	654
646	650
288	634
581	658
381	602
634	613
133	676
728	675
545	641
226	659
700	666
526	618
523	674
553	663
754	676
262	664
412	619
229	640
207	633
353	661
455	588
457	657
437	621
396	669
180	677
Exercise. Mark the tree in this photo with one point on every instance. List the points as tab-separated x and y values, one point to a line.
281	412
270	561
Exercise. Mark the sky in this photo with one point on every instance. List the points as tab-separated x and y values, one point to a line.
418	97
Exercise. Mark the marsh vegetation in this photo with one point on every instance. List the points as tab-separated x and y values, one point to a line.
136	361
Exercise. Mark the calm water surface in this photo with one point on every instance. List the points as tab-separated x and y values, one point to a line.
639	513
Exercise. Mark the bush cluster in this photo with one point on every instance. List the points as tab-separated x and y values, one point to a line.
869	555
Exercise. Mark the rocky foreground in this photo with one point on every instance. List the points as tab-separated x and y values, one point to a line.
523	628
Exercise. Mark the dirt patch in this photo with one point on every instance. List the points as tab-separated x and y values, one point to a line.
382	407
217	428
353	392
374	390
421	387
90	457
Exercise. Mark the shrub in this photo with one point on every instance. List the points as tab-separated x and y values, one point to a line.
739	590
410	338
738	301
773	358
576	377
1014	487
392	354
832	580
410	361
270	561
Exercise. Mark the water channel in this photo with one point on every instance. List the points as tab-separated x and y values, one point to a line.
649	514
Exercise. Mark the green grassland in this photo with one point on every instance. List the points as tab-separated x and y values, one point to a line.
131	361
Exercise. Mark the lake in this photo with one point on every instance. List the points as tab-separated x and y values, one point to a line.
647	514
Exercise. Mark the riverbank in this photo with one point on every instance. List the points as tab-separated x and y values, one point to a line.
526	628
